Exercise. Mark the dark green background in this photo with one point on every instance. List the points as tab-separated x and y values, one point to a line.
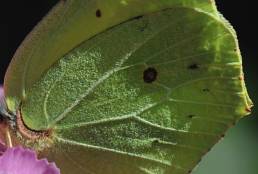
237	153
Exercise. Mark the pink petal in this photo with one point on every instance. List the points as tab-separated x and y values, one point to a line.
24	161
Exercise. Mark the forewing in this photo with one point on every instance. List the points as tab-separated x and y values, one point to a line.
67	25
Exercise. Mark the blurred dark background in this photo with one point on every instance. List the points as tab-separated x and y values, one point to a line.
238	152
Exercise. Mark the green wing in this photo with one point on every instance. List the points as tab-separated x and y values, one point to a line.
148	96
67	25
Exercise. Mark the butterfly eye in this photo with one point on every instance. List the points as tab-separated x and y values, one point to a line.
150	75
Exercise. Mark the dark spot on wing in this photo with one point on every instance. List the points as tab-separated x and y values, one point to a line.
150	75
156	141
193	66
191	116
206	90
98	13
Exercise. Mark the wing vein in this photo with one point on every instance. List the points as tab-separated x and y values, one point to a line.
72	142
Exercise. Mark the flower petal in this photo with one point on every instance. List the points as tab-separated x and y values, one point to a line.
24	161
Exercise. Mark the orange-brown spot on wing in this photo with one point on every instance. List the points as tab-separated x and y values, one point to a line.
248	109
29	133
241	77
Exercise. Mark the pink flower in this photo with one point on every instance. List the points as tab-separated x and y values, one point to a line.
24	161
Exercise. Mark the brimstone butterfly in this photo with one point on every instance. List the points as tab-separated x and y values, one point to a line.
126	86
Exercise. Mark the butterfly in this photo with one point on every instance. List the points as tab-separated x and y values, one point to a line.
126	86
